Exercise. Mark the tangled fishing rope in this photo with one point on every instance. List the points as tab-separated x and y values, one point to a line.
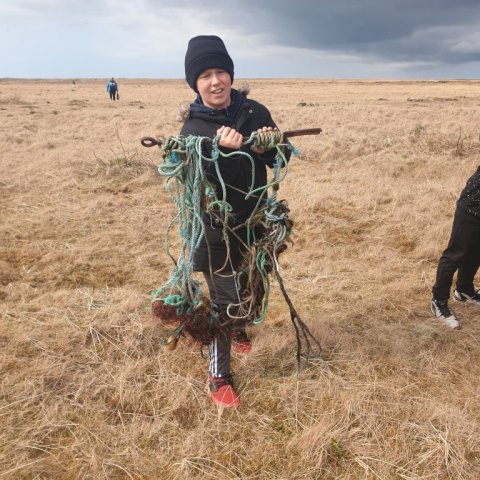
180	301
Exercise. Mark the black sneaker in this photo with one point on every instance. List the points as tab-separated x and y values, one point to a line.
442	312
463	297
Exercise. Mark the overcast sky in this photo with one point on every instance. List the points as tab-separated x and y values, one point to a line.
278	38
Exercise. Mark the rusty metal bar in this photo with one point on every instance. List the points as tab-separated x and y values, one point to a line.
152	142
301	132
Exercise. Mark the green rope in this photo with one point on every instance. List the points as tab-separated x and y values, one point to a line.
193	194
182	166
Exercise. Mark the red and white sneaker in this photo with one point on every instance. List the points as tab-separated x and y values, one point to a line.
240	342
222	391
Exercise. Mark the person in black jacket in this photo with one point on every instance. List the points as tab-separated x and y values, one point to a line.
221	110
462	254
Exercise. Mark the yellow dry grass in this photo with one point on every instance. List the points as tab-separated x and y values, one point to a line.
86	391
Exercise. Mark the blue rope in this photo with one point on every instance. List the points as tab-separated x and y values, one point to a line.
188	185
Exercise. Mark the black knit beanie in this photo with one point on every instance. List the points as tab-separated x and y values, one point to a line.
204	52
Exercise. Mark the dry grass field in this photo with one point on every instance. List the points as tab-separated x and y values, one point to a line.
88	392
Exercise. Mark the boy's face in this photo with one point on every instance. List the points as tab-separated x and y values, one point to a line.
214	86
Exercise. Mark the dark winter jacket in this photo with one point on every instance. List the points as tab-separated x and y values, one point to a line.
469	200
246	116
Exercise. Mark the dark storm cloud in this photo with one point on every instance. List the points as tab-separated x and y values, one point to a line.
334	38
444	31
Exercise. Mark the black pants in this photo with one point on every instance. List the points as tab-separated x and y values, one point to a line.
462	254
223	292
113	95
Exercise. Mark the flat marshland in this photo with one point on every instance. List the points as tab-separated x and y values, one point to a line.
87	390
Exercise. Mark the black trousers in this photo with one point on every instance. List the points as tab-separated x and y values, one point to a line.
113	95
223	292
462	254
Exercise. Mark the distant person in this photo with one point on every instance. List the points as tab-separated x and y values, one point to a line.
462	254
112	89
73	85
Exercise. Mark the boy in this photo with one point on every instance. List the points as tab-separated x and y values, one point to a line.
462	254
221	110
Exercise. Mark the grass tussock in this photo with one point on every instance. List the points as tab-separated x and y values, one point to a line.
13	99
86	388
